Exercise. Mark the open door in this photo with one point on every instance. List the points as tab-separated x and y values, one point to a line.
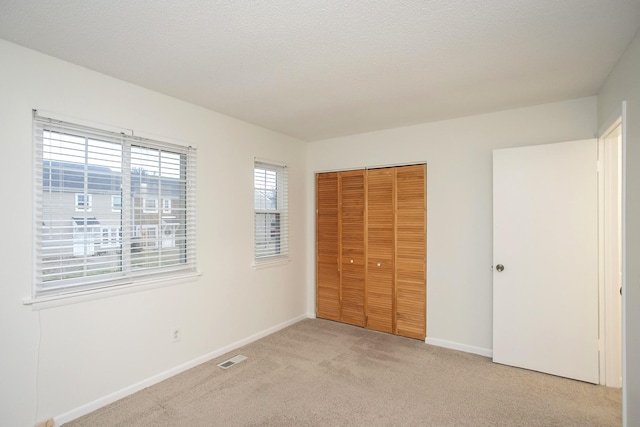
545	254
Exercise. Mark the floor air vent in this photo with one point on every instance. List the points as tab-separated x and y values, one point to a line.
229	363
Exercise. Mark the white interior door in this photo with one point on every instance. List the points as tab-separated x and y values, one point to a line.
545	235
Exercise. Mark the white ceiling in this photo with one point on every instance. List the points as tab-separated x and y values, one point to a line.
322	68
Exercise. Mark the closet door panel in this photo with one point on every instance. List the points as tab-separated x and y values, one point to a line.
380	297
352	232
380	249
327	247
411	251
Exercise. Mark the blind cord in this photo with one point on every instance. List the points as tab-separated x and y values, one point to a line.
37	385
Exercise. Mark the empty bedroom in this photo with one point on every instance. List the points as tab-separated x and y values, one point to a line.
225	213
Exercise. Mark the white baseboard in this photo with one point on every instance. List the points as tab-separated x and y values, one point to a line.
486	352
460	347
110	398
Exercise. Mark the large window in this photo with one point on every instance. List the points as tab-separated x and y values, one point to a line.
270	211
97	219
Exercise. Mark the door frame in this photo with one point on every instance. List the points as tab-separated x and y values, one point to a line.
609	256
620	114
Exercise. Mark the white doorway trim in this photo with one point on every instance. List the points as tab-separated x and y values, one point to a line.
621	113
609	256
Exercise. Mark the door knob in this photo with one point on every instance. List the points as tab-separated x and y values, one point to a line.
499	267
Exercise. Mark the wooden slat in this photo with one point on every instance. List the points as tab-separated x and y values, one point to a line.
380	247
352	228
411	248
327	247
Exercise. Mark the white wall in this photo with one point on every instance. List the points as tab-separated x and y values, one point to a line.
60	359
623	85
459	201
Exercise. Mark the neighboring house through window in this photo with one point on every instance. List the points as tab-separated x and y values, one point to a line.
97	216
270	211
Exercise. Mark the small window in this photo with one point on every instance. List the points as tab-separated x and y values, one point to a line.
83	202
150	205
150	236
116	203
166	205
270	211
96	196
110	237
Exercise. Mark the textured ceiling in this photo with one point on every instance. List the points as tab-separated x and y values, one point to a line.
318	69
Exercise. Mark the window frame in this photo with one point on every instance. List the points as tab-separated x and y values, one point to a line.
113	238
281	249
50	133
114	206
149	209
150	232
166	205
87	203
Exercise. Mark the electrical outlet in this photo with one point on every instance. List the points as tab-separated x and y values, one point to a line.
176	334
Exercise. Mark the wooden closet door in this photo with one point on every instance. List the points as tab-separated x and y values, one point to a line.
411	251
380	250
352	232
327	247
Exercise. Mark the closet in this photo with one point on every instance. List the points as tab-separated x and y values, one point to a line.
371	248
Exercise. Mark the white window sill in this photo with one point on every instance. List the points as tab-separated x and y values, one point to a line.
50	301
270	262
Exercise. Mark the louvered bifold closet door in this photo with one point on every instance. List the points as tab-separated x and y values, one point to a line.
380	249
411	251
352	232
327	247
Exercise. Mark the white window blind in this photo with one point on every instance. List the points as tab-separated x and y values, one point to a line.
271	214
93	225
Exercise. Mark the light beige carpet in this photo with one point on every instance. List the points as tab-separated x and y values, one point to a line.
322	373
